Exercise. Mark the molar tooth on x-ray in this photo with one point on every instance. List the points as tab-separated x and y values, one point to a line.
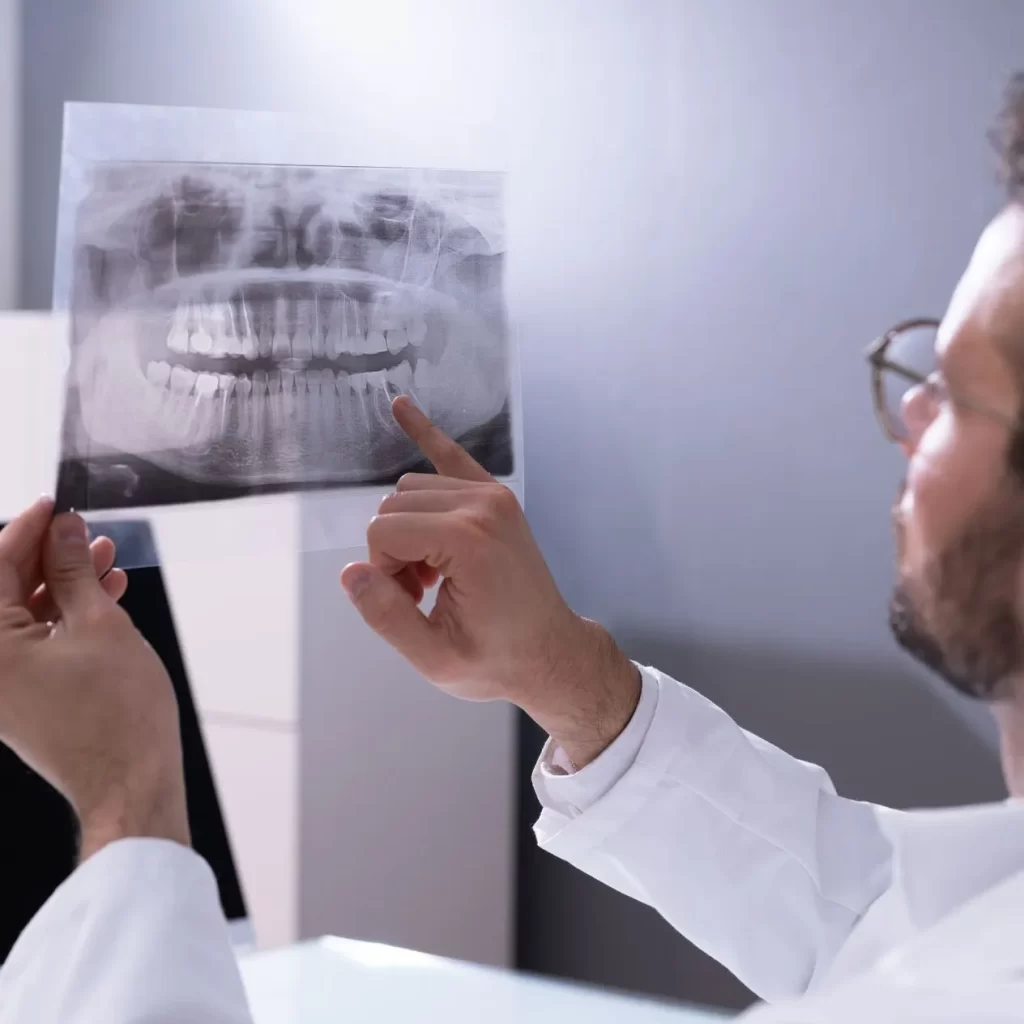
243	328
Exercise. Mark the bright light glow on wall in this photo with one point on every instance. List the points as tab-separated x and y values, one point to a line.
394	56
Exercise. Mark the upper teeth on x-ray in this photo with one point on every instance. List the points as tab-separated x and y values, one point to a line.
244	328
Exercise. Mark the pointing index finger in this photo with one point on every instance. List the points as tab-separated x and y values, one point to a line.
447	456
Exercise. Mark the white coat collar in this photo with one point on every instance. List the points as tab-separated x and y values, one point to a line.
944	858
962	876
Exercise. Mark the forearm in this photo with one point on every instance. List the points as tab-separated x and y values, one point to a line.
589	694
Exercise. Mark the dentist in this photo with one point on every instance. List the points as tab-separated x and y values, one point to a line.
836	911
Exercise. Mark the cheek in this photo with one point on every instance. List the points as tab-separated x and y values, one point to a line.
953	472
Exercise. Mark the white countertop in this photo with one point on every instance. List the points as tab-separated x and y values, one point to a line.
340	981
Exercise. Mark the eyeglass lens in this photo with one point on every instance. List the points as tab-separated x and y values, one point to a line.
913	349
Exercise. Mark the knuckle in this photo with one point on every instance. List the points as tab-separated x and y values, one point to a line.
407	481
374	529
486	521
377	542
504	505
478	525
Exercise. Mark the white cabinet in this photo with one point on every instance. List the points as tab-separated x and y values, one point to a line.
255	769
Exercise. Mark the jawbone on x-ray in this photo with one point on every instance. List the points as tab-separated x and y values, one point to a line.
238	329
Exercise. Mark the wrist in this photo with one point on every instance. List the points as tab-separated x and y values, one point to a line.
154	812
589	695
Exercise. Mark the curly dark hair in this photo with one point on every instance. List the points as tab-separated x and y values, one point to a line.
1008	138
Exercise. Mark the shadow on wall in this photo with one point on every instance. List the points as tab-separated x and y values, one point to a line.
877	729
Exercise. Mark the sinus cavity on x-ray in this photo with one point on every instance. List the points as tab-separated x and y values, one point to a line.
241	328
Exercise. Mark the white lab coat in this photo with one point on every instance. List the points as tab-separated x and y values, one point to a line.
135	936
752	856
880	917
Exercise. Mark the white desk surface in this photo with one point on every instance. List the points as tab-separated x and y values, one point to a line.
339	981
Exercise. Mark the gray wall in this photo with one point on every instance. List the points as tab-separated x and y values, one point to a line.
10	102
715	205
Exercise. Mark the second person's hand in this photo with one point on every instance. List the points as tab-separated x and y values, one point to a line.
499	628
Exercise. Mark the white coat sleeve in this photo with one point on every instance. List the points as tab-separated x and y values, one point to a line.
745	850
568	792
136	935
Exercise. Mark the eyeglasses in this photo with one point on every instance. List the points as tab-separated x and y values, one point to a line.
903	360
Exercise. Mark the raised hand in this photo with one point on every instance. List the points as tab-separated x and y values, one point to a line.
499	627
84	700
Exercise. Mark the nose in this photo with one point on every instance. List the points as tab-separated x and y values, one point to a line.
917	410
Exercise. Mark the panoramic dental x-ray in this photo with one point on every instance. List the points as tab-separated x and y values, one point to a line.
242	328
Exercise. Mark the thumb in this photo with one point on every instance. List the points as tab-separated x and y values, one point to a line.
390	611
67	567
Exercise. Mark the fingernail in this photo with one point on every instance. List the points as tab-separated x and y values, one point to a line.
408	397
71	530
356	582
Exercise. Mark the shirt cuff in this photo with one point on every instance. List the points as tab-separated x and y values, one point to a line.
568	792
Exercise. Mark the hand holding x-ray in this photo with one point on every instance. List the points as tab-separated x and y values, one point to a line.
84	700
499	628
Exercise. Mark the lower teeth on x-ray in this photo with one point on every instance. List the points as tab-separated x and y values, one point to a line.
244	329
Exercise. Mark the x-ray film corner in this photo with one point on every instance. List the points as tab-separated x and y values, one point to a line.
33	347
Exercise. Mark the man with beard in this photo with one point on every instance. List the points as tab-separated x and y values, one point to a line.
845	911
